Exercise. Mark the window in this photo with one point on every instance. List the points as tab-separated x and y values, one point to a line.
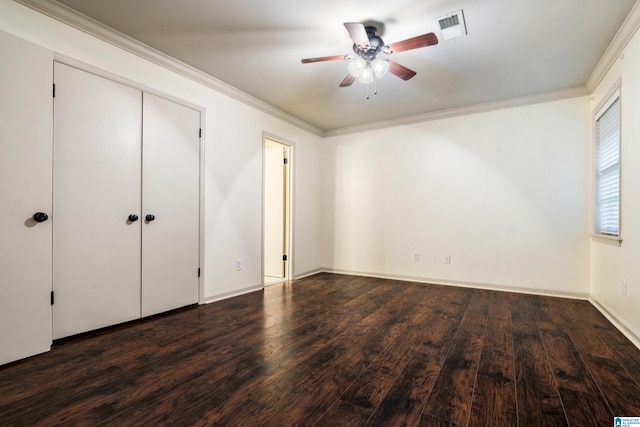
607	168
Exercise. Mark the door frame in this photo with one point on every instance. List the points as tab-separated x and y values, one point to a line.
288	210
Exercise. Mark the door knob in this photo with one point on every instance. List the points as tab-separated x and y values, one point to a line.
133	218
40	217
149	217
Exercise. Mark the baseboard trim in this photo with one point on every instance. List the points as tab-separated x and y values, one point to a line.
618	322
464	284
231	294
622	325
275	282
310	273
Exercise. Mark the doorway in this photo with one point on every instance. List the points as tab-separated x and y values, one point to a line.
276	212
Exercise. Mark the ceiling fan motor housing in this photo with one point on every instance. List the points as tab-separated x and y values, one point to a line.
375	45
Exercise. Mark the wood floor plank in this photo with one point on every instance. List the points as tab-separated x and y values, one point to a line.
370	387
43	372
403	404
537	394
620	347
584	330
338	357
408	353
368	390
453	391
244	415
565	360
494	403
584	409
588	331
496	360
350	361
427	420
621	391
61	404
344	414
450	305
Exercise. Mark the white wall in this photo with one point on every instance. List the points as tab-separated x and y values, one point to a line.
612	264
233	144
505	193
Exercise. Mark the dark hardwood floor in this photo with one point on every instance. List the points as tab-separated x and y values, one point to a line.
333	350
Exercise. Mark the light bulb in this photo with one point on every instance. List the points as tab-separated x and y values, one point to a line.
380	67
357	66
367	75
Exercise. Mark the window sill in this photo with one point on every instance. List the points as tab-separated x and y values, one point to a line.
609	240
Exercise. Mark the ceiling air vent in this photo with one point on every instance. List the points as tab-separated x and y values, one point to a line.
452	25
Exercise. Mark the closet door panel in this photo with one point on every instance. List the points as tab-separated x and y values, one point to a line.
170	242
25	188
97	185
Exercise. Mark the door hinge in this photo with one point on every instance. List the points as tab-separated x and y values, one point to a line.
54	90
198	271
286	161
284	257
200	133
52	298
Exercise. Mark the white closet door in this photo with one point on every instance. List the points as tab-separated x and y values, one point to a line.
25	188
97	161
170	242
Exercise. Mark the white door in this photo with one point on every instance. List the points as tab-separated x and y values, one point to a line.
97	181
275	190
171	174
25	188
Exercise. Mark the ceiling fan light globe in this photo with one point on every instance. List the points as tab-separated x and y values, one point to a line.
357	66
380	67
367	76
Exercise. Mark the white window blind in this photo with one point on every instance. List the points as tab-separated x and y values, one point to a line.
607	163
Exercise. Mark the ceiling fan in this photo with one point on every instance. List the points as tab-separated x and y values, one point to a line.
365	66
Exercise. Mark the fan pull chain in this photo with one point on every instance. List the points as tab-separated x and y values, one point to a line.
375	87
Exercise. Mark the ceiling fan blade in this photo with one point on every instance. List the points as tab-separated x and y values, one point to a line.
358	34
401	71
326	58
348	81
424	40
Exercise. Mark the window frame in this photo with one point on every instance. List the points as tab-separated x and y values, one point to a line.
614	94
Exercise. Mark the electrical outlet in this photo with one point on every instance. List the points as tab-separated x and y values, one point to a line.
447	258
238	264
623	288
416	257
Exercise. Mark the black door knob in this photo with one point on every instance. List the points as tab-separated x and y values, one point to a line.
40	217
133	218
149	217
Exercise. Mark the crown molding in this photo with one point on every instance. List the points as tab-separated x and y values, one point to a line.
96	29
558	95
626	31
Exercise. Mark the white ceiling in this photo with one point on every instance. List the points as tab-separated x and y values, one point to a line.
514	48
